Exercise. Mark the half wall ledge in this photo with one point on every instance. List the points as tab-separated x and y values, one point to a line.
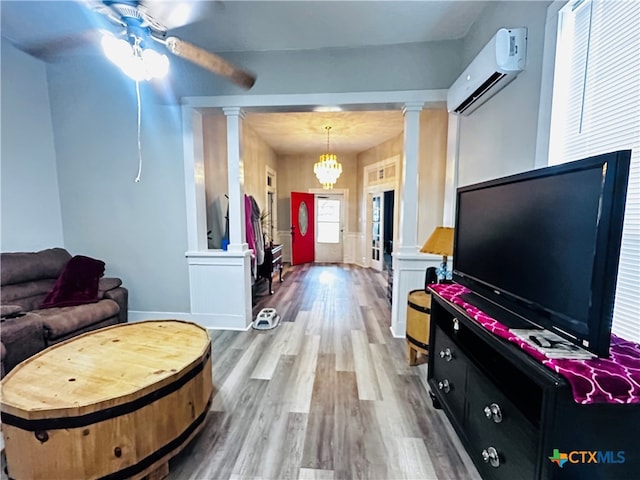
220	288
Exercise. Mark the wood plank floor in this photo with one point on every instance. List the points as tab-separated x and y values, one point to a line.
328	394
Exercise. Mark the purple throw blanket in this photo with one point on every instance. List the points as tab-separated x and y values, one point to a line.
77	284
596	380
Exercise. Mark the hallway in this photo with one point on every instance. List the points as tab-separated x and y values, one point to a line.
327	394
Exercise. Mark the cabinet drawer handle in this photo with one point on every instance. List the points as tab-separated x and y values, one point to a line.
446	354
493	412
444	385
490	455
456	324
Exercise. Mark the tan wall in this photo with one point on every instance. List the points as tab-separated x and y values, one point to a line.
431	171
379	153
215	174
295	174
256	154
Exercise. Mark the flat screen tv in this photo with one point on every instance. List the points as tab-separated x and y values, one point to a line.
544	245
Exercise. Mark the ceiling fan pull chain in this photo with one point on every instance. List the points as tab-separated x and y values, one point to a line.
139	142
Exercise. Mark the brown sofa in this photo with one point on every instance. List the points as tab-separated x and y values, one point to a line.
26	328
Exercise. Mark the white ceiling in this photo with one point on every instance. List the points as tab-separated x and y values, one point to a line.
224	26
232	25
351	132
301	25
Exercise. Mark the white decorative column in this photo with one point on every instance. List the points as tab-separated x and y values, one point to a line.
192	127
237	229
409	266
240	294
451	175
409	181
220	281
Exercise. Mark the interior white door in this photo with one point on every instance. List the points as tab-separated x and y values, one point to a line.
376	229
329	229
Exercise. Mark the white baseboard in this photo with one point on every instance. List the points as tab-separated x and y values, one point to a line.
396	335
210	322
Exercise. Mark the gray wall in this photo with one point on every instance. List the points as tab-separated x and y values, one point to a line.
399	67
499	138
138	229
30	213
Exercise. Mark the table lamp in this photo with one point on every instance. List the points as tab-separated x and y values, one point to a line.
440	242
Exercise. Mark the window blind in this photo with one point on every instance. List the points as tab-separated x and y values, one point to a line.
596	109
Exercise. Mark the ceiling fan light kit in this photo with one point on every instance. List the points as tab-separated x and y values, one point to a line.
128	47
128	50
136	62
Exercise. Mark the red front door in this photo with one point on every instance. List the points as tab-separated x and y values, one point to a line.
302	228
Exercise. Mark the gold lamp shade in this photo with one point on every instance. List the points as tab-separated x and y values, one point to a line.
440	242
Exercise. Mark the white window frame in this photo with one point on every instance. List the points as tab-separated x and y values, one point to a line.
336	223
628	328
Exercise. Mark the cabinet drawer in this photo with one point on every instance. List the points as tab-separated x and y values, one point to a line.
494	421
277	255
449	372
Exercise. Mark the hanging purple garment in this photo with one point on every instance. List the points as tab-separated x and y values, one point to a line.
248	225
257	231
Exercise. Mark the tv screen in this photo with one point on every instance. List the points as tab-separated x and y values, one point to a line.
545	245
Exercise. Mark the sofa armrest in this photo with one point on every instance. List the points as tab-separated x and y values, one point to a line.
107	283
120	295
22	337
3	354
8	311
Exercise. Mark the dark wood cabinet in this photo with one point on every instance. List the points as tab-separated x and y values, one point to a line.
512	413
390	284
272	263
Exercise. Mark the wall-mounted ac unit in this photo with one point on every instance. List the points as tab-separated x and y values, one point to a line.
497	64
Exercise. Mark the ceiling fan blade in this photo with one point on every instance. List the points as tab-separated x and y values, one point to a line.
171	15
52	48
210	61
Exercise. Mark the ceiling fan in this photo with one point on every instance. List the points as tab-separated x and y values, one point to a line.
133	47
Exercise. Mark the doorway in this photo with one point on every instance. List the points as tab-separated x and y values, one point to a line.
329	228
381	182
380	212
377	226
303	227
388	202
270	217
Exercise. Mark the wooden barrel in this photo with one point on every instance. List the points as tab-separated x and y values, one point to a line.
113	403
418	316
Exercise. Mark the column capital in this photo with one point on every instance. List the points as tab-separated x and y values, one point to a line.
238	247
412	107
233	112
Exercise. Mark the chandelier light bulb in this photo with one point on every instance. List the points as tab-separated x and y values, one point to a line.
327	168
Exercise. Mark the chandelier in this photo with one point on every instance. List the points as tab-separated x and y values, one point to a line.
327	168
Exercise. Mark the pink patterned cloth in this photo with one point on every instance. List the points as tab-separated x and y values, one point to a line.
596	380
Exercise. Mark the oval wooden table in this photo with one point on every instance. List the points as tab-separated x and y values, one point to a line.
118	402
